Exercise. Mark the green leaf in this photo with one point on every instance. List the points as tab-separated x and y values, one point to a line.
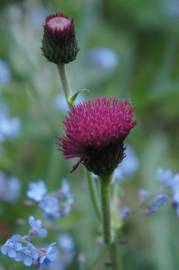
72	98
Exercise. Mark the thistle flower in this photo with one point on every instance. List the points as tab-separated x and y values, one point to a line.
95	131
59	43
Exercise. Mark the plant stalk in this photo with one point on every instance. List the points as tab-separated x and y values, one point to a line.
65	81
105	209
105	187
92	193
106	222
68	92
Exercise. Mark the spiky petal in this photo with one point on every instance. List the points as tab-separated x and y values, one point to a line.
95	131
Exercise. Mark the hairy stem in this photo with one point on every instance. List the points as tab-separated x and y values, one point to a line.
65	81
106	222
105	208
92	192
115	256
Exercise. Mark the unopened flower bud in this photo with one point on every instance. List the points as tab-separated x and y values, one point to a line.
59	43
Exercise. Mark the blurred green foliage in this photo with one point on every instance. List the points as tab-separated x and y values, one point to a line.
145	35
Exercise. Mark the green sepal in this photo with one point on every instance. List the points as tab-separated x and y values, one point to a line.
72	98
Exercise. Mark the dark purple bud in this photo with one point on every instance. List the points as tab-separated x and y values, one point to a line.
59	43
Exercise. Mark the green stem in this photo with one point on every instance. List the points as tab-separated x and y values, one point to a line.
92	192
106	222
105	208
115	256
65	81
67	93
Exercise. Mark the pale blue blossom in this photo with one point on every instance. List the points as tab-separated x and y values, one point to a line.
165	177
28	255
61	105
171	181
125	212
65	198
57	204
12	246
171	7
104	58
66	243
10	187
5	74
21	249
175	191
9	126
37	190
128	166
4	110
13	189
157	203
65	254
144	194
49	255
50	206
38	15
36	225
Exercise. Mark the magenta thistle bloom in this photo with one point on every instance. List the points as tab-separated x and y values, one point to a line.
95	131
59	43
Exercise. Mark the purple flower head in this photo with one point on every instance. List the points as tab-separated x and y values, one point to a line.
36	225
37	190
95	131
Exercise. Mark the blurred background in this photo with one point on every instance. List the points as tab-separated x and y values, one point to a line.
128	49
